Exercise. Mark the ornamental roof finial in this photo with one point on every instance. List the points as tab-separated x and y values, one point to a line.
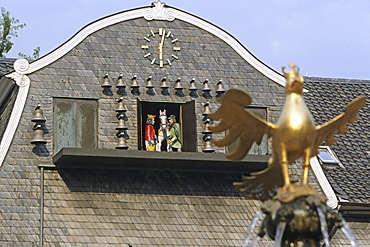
159	12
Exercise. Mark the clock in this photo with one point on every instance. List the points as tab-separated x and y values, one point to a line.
161	47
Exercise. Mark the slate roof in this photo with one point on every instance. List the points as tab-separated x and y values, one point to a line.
6	108
6	65
327	98
8	93
360	229
145	208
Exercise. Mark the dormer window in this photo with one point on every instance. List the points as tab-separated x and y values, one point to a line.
327	156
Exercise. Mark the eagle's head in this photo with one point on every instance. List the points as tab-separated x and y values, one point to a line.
294	81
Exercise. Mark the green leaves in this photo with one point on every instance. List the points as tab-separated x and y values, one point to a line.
8	29
35	55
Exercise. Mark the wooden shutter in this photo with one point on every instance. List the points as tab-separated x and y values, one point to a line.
140	138
188	124
75	123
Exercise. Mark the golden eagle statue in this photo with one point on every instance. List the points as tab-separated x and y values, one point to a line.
293	136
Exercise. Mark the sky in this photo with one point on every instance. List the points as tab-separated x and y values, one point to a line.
325	38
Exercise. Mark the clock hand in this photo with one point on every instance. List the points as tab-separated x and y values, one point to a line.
163	34
160	48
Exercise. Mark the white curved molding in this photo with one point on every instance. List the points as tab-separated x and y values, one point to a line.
82	34
158	11
324	183
23	82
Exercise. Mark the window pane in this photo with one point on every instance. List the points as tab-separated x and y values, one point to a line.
86	126
75	123
64	124
326	157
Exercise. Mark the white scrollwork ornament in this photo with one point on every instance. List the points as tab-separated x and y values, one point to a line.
159	12
169	15
21	65
331	202
21	80
149	14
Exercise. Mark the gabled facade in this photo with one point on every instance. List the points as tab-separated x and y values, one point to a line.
82	177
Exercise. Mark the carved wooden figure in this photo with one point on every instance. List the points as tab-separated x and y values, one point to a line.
150	136
162	131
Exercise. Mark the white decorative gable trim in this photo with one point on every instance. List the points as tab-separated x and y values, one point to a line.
21	67
159	12
324	183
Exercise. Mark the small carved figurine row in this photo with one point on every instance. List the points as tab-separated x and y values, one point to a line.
168	137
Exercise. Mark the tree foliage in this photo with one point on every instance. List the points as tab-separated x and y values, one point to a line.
35	55
8	29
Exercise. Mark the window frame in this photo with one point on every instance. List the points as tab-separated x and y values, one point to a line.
185	113
334	161
77	122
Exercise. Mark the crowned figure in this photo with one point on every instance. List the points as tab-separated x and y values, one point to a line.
150	136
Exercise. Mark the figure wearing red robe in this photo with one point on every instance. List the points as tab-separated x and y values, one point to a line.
150	133
150	136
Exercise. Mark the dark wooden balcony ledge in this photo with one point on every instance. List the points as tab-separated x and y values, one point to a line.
82	158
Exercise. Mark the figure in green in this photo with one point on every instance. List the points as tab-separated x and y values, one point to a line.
175	140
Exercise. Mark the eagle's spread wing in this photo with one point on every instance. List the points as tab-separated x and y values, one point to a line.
325	132
262	185
240	123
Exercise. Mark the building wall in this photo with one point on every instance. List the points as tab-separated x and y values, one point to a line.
117	49
141	208
144	208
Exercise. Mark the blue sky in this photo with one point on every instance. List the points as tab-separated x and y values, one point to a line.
327	38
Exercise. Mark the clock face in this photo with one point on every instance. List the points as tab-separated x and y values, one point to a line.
160	47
